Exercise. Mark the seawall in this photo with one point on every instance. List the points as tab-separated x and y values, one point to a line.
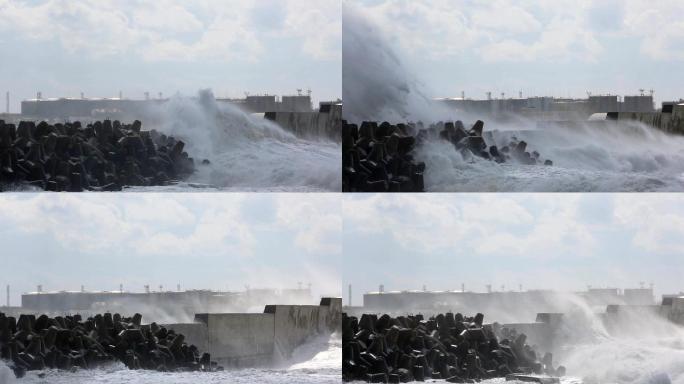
257	339
326	123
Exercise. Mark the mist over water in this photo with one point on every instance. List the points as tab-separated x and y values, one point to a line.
318	361
246	153
611	158
378	86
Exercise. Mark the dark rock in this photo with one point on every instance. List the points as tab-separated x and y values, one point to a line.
69	343
102	156
452	347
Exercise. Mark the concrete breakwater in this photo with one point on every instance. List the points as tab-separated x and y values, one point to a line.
68	342
100	156
258	339
379	158
448	346
325	123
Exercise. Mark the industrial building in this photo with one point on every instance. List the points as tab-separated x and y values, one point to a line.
541	300
120	108
271	103
151	303
550	108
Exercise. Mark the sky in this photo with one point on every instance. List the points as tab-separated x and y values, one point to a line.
200	241
556	241
561	48
100	47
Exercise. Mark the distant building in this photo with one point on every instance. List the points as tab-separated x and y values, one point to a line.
550	108
119	108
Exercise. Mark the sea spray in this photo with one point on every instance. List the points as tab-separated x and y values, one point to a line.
628	156
322	353
6	374
377	85
245	152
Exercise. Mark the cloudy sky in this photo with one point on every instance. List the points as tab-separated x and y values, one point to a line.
557	48
64	47
561	241
212	241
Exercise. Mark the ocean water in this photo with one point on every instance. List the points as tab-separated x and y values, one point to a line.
318	361
246	152
630	157
381	85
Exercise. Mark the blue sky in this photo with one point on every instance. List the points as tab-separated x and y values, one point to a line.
552	241
555	48
202	241
64	47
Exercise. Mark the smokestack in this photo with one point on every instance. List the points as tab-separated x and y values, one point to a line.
7	102
161	288
147	288
120	95
82	96
462	287
424	288
40	288
39	95
178	287
8	295
381	288
463	95
121	288
82	288
350	295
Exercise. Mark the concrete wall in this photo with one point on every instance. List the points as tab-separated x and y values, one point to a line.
294	324
251	339
668	122
311	125
240	339
195	333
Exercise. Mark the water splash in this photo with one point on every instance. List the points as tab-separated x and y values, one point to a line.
246	152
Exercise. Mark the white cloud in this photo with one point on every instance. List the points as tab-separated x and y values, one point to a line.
488	224
316	221
530	30
656	223
173	29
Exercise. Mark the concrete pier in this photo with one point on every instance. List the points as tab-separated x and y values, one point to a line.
325	123
257	339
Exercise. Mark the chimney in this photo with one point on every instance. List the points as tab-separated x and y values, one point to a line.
82	288
39	95
7	102
348	303
462	287
381	288
121	288
82	96
120	95
8	296
147	288
40	288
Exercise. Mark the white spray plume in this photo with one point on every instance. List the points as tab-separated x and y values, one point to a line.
246	152
376	84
